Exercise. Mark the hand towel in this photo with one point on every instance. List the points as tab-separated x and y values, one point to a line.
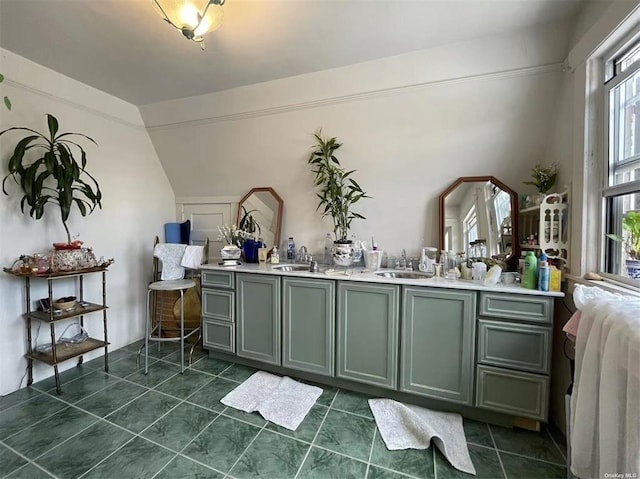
192	257
171	255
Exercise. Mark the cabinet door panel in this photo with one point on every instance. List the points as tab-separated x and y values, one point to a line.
512	392
219	279
438	343
368	317
517	307
218	335
308	319
516	346
218	304
258	317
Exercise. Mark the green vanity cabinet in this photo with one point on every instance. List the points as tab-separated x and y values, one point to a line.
514	354
308	325
438	339
367	333
258	317
218	311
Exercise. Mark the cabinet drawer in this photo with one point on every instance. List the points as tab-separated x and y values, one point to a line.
219	335
219	279
512	345
512	392
218	304
517	307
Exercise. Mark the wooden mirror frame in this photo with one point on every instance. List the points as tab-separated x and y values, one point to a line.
275	195
515	244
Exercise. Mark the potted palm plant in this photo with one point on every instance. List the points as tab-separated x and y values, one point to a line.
53	176
631	242
338	193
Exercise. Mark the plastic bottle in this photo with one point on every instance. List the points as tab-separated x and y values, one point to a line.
291	249
529	274
328	244
275	256
543	273
555	280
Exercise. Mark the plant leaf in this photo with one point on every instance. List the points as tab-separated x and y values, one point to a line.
7	103
53	126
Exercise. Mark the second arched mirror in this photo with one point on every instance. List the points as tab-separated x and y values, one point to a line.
260	212
479	210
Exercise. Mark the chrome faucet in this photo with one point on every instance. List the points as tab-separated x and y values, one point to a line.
403	259
303	256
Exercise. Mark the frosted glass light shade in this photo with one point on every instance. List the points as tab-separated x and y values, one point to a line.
194	18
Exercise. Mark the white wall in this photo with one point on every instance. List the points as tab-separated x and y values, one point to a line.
575	145
410	125
138	200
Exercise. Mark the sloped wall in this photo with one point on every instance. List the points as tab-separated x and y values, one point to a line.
410	125
138	200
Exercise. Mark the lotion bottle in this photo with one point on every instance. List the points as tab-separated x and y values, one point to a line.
529	276
275	256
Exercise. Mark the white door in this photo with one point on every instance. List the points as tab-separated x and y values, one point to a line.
205	220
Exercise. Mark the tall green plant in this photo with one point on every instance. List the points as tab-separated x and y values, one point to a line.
55	176
338	190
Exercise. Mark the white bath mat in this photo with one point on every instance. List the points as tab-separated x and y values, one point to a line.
403	426
281	400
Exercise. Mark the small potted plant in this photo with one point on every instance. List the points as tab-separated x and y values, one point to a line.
338	193
544	178
631	242
54	176
234	239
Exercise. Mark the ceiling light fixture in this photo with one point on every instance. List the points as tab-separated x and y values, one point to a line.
194	18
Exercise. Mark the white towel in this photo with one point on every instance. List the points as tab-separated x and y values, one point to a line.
605	403
404	426
281	400
192	257
171	255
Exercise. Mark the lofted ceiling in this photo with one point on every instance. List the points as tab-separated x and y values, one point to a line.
124	48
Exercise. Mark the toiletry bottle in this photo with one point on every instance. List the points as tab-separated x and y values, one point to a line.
543	274
555	278
328	244
275	256
529	274
291	249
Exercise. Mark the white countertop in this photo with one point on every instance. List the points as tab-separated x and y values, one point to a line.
359	274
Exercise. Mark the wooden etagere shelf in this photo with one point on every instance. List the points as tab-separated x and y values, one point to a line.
63	351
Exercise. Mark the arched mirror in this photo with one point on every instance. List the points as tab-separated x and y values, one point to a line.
479	211
260	212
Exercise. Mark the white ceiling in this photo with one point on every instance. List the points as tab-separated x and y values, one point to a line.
124	48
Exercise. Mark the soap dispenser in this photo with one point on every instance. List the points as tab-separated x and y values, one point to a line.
275	256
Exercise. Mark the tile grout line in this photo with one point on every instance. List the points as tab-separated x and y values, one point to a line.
557	446
532	458
37	466
40	420
198	435
375	431
315	436
29	461
246	449
100	419
165	466
435	467
106	457
495	445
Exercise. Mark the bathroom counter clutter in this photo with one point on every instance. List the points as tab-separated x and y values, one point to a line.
359	274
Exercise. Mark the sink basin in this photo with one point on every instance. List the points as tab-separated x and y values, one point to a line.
291	267
404	274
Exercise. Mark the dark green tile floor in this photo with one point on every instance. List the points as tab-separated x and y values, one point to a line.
166	425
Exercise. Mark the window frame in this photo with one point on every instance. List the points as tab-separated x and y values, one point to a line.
612	77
